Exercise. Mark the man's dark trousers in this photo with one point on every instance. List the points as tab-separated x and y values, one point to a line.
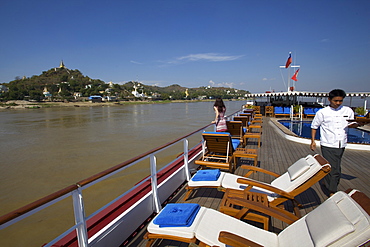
334	156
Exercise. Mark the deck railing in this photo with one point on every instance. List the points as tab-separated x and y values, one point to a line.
75	191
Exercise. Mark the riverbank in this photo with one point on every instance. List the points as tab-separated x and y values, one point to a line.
22	104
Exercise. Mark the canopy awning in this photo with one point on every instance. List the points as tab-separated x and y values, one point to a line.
306	94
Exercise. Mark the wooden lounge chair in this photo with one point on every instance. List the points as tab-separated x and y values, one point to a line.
269	110
238	131
257	116
257	109
252	135
300	176
235	128
341	220
315	167
257	120
255	127
218	148
246	114
248	110
244	120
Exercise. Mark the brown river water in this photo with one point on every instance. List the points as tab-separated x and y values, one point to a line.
47	149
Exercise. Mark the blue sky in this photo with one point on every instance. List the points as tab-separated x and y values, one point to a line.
236	43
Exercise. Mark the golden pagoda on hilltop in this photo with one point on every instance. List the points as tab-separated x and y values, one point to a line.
62	65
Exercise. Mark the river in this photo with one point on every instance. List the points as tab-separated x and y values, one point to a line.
44	150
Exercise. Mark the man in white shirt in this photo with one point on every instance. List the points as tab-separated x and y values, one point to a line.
333	124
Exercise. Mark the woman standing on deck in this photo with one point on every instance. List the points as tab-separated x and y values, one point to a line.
220	120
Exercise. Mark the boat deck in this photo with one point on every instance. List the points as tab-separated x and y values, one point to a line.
277	154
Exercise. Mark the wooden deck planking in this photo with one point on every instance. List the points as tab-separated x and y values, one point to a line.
277	154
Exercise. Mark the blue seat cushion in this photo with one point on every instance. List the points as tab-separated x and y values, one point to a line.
278	109
235	143
177	215
221	133
308	111
207	175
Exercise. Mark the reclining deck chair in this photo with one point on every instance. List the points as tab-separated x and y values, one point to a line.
269	110
342	220
257	109
244	120
235	128
248	110
218	148
255	125
300	176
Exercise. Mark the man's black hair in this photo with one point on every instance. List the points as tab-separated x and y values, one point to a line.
337	93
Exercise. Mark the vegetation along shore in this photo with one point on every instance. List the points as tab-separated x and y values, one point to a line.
22	104
57	86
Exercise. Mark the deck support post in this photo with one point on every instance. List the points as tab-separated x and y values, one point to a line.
153	171
79	212
186	159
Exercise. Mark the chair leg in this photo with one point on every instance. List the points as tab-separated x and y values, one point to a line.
296	206
150	240
188	192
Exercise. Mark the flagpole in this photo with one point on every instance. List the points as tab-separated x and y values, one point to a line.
289	78
293	82
287	65
290	57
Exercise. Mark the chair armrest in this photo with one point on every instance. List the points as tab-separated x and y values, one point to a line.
360	198
258	169
235	240
321	159
251	182
277	213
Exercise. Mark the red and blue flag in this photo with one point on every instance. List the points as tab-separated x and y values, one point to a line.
289	61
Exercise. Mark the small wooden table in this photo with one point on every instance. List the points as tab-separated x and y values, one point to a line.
252	135
255	126
245	153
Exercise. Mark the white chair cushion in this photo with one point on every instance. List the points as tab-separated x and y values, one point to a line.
298	168
286	184
230	181
296	234
357	216
327	224
213	222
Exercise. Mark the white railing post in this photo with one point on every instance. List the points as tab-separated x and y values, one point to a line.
186	159
153	171
291	113
79	211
